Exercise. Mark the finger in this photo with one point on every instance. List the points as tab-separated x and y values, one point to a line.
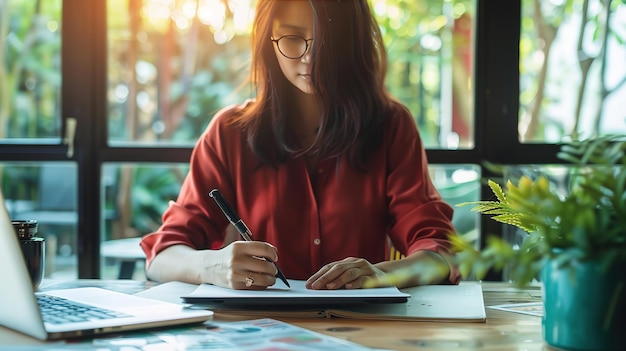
319	278
349	261
255	281
244	259
358	283
316	276
258	249
254	264
348	276
336	276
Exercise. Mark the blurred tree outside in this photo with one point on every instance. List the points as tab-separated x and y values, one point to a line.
572	69
30	81
30	76
430	50
173	64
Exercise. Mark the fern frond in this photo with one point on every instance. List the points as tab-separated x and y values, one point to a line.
514	220
497	190
487	207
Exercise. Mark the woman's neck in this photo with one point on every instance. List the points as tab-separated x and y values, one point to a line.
305	119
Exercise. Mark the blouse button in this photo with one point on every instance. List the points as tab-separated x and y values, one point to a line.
319	170
316	241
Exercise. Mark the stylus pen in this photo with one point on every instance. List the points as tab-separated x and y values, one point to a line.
242	228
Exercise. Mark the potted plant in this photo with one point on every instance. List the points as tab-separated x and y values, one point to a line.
576	243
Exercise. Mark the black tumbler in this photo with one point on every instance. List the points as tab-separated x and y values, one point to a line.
33	249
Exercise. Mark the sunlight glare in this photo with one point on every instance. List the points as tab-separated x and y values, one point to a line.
189	9
182	21
380	8
438	23
431	42
212	13
459	9
220	37
157	10
157	13
394	12
53	26
461	176
242	15
121	93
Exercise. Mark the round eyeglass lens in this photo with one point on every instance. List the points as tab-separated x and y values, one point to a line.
292	46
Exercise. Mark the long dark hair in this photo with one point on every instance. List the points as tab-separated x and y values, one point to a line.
349	63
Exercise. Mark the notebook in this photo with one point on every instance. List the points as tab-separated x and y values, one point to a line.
434	303
19	309
296	295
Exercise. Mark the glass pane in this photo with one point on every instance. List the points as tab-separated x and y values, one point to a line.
572	69
30	76
458	184
173	64
134	197
431	54
46	193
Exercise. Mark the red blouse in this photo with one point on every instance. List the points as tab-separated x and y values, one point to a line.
344	212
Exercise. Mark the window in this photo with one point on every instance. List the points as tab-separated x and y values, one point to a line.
172	64
35	185
142	78
572	69
30	75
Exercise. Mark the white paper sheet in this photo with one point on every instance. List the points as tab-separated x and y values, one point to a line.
297	290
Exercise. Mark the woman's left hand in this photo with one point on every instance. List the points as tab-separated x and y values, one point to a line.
349	273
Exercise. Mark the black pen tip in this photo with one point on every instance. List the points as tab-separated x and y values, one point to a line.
283	278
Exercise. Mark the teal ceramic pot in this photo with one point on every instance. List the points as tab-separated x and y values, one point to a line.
585	307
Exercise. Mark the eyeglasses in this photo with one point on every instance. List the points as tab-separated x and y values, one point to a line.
292	46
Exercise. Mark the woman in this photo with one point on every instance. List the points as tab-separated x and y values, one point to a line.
323	166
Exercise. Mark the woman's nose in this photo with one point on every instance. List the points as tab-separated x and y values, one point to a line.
306	58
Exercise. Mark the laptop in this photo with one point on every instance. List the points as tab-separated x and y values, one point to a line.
115	312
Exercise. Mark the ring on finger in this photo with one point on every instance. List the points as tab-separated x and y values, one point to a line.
249	282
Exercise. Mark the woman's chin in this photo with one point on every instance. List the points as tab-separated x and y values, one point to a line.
306	87
303	85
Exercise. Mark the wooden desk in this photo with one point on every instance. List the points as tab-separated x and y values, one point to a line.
503	330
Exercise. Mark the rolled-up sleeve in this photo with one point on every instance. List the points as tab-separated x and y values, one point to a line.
191	220
420	218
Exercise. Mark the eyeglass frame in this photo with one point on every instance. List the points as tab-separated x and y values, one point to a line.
306	45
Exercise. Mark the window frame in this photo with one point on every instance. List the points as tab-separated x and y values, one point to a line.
84	89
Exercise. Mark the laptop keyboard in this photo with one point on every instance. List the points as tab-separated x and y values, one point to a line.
57	310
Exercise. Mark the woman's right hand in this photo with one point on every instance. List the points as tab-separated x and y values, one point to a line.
227	267
240	265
